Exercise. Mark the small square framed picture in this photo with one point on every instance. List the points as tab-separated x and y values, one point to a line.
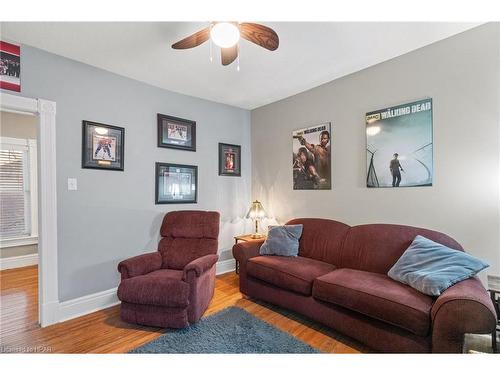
229	160
177	133
102	146
176	183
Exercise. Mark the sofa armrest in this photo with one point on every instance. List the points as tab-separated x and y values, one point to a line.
199	265
463	308
245	250
140	265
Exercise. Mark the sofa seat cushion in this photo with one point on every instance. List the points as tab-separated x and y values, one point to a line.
377	296
292	273
160	288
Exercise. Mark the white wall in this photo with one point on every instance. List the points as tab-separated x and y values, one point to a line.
15	125
462	76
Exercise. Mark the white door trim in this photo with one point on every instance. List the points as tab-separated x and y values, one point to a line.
48	294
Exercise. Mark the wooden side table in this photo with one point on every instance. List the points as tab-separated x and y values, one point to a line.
245	238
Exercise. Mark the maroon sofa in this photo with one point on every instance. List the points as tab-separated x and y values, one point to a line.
172	287
340	279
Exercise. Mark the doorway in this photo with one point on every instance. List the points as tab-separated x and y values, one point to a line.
18	221
43	227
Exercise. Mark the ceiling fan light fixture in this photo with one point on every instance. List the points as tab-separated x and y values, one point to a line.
225	34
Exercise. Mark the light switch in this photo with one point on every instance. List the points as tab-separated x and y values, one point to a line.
72	185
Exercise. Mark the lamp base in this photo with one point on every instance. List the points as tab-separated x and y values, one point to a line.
257	235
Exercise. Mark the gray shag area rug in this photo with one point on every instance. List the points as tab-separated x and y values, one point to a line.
231	330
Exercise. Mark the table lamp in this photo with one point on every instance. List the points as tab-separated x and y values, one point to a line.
256	212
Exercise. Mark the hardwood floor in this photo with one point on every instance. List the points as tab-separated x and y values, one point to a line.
104	332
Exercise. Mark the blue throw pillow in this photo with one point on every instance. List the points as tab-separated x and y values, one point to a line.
282	240
432	268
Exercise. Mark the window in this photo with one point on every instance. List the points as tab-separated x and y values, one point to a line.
18	200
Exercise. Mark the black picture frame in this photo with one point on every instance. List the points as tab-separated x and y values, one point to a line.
184	172
110	145
183	137
231	154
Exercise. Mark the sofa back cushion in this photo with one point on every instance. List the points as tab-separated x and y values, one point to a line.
321	239
188	235
377	247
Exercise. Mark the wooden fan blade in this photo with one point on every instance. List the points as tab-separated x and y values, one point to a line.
194	40
228	55
260	35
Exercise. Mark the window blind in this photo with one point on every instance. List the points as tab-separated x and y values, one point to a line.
13	197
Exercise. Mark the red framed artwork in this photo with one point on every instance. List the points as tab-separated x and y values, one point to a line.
10	67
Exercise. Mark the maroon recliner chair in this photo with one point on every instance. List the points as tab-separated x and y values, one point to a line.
172	287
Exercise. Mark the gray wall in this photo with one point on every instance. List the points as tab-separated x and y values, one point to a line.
462	75
112	215
17	251
15	125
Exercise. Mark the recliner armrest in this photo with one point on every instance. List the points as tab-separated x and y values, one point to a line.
462	308
199	265
140	265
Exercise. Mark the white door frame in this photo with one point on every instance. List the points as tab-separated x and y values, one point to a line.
45	110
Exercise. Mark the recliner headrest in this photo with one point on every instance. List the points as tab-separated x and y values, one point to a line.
191	224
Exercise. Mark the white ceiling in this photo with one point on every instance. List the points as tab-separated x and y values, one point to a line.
310	54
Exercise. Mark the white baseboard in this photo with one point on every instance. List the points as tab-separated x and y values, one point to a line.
93	302
225	266
49	313
87	304
17	262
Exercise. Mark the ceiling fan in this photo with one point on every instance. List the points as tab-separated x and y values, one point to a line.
227	36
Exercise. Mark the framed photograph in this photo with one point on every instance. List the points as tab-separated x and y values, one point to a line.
229	160
178	133
399	146
10	66
176	183
102	146
311	158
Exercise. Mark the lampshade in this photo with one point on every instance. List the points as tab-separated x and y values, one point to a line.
256	211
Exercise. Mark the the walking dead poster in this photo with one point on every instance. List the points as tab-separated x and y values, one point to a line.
399	146
312	158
